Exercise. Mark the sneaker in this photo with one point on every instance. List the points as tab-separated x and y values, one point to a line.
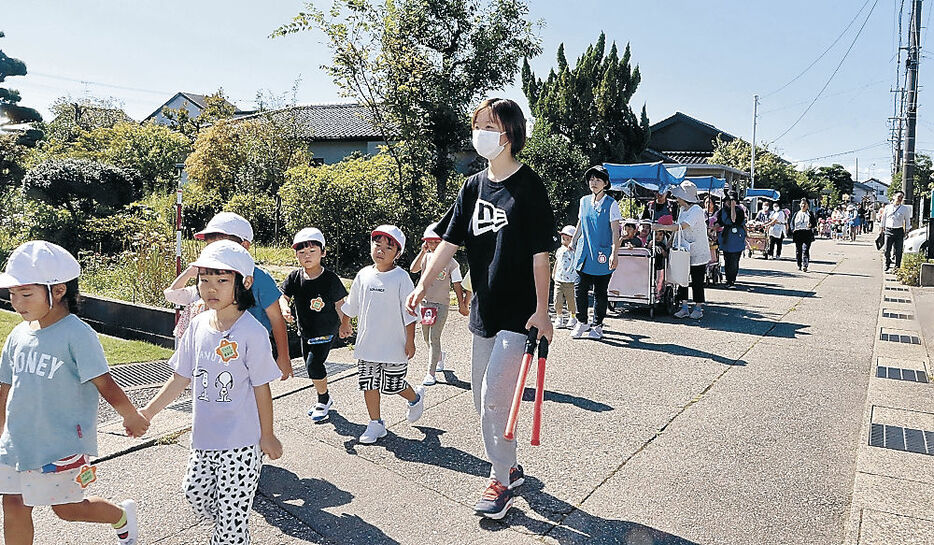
731	286
376	429
418	407
320	411
572	323
516	477
495	501
683	313
579	330
559	323
440	366
697	314
429	380
805	269
129	534
595	333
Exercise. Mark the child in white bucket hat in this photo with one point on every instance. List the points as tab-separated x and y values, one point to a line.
56	360
226	352
565	276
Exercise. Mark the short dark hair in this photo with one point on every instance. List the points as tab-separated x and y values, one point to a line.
305	243
243	296
510	115
214	237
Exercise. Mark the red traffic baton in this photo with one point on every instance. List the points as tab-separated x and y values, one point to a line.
510	432
539	392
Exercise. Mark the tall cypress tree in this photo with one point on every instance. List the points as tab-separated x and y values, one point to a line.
11	113
589	102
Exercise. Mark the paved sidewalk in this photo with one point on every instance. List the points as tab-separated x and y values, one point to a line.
742	428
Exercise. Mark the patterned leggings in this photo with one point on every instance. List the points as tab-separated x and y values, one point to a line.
220	485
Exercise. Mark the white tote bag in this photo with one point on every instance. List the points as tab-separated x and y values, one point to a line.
679	261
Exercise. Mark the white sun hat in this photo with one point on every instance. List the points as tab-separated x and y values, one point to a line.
568	230
226	255
392	232
430	233
39	262
228	223
308	234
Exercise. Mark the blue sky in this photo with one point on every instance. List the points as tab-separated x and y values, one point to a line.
706	59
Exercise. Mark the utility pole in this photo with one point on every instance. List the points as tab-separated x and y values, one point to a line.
752	161
911	113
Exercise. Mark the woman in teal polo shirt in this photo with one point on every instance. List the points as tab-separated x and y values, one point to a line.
596	243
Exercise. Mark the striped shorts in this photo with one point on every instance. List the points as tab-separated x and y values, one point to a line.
388	378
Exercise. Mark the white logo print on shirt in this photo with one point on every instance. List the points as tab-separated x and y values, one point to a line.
487	217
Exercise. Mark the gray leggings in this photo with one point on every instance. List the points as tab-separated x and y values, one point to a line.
495	370
432	334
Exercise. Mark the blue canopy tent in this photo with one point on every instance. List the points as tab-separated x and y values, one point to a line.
709	184
651	176
764	193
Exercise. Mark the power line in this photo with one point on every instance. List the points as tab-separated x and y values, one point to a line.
101	84
837	69
876	145
838	93
821	56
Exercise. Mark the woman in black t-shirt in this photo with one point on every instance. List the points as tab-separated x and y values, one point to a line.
504	220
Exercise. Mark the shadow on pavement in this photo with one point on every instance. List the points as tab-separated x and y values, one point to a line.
776	289
636	342
306	500
762	273
571	525
577	401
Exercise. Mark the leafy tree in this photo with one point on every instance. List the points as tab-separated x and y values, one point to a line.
75	116
834	179
12	160
85	189
924	179
11	112
771	170
561	165
216	108
589	103
418	66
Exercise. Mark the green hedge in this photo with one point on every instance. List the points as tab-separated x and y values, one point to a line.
910	271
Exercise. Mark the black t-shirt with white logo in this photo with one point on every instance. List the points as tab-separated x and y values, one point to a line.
314	300
501	225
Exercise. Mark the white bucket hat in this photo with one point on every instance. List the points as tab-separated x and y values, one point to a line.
392	232
308	234
228	223
430	233
226	255
687	191
39	262
568	230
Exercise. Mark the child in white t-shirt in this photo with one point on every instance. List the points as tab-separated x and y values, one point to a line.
434	310
565	276
52	374
227	353
186	297
385	329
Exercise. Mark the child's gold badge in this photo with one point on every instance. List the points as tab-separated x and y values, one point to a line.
227	350
317	304
86	476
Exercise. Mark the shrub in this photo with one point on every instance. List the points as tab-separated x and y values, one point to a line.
910	271
562	167
260	211
198	207
347	200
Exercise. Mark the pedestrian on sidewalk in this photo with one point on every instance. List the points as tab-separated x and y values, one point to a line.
234	227
434	311
49	410
317	294
776	225
895	219
227	353
732	235
802	232
565	277
692	225
504	220
596	244
385	330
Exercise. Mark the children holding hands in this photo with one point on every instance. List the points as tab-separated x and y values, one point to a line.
227	353
52	372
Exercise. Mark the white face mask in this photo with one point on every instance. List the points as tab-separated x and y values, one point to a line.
487	143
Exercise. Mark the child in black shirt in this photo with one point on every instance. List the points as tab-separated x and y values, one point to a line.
317	294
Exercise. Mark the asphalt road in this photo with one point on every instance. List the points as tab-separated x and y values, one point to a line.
740	428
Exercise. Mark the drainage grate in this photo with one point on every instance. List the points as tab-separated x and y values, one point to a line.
899	338
904	439
901	374
151	373
896	314
895	288
896	300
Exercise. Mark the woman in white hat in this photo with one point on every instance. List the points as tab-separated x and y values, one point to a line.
692	225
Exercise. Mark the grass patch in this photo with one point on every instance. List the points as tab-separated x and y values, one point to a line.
273	255
117	350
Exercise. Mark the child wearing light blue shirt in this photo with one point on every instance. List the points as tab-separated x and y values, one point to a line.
52	371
